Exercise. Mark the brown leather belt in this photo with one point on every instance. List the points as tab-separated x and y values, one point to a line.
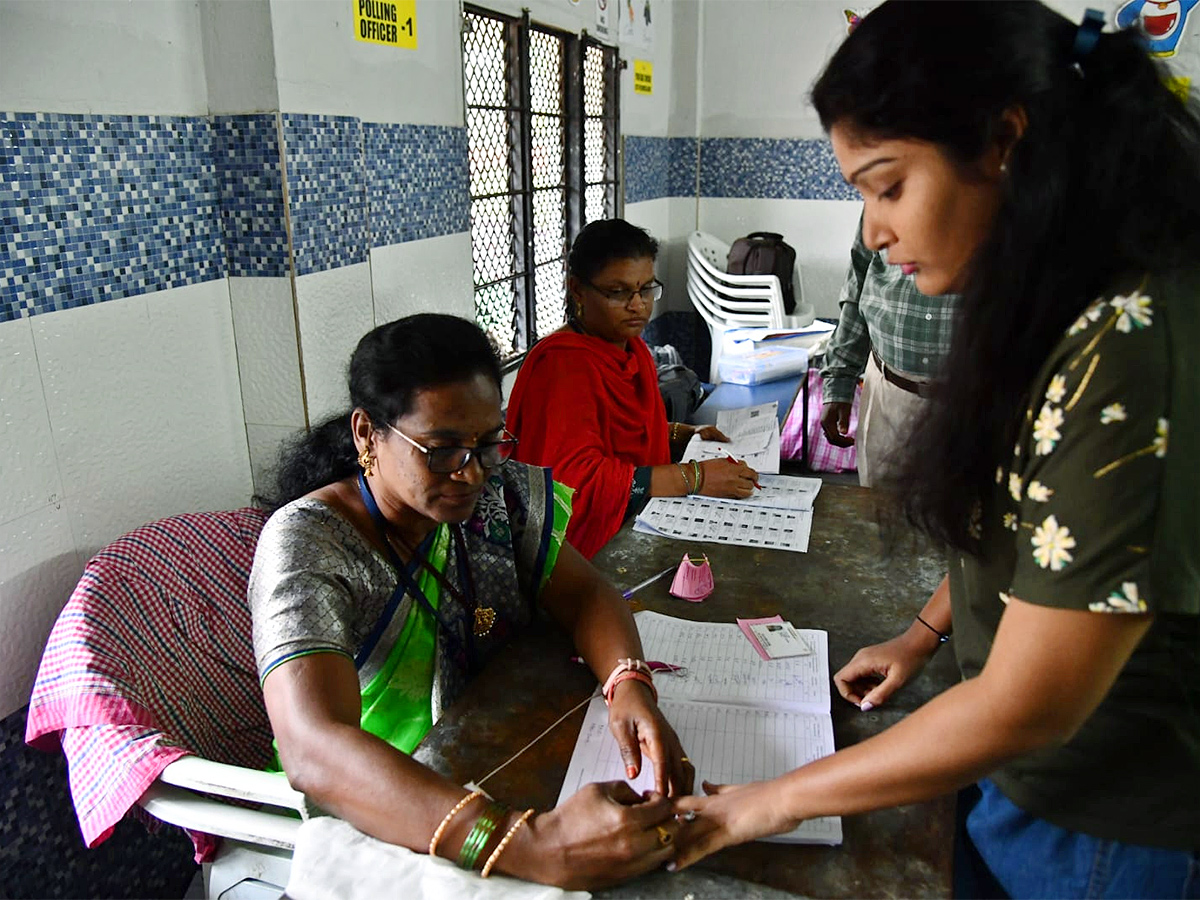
920	388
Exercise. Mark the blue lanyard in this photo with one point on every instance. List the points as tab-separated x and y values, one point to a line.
409	584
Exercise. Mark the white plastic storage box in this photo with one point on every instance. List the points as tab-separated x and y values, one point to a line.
767	364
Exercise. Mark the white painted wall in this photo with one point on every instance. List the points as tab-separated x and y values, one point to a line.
322	69
239	56
101	56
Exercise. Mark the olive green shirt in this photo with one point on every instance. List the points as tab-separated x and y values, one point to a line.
1098	509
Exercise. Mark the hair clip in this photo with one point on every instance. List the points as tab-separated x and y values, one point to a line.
1086	37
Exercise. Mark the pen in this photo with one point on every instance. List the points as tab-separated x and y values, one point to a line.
732	460
653	578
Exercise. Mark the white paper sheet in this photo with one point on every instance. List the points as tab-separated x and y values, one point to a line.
780	492
772	716
753	433
708	520
723	666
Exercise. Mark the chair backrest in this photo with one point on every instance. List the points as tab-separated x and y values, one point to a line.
152	659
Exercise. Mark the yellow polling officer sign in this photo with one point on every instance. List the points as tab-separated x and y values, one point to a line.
643	76
392	23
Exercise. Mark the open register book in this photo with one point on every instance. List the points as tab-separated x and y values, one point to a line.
740	718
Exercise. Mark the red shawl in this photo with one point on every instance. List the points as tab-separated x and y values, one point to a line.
592	413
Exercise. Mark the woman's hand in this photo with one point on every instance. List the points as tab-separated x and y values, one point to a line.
640	731
875	673
710	433
730	814
603	834
835	422
728	478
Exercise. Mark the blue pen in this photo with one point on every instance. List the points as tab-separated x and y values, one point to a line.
653	578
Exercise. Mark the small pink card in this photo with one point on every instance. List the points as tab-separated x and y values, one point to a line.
745	624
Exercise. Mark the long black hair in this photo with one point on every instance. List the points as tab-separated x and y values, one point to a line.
599	243
1103	184
390	364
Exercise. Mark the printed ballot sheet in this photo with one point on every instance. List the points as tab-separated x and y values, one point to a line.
753	433
778	516
740	718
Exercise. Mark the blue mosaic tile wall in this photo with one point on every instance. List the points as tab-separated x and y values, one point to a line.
246	151
771	168
647	168
681	174
93	208
326	181
418	181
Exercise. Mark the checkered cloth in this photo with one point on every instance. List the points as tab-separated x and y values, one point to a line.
822	455
881	308
152	660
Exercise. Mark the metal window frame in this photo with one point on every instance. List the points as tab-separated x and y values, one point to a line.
517	32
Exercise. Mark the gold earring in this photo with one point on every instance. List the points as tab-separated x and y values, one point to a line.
578	310
366	460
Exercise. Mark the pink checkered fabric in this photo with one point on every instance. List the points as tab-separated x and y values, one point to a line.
150	660
822	455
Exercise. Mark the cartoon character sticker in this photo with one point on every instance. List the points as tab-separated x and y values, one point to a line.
1161	21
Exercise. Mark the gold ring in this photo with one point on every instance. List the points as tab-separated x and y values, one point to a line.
664	837
684	759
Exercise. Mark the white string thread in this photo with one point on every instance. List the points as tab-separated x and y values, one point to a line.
565	715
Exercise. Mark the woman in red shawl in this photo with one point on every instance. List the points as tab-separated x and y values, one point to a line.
586	400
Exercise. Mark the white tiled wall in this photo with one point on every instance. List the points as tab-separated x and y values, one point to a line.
334	310
433	275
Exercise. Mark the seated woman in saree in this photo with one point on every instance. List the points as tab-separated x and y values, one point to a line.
586	400
407	550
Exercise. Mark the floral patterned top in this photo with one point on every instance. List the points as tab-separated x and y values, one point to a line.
1096	510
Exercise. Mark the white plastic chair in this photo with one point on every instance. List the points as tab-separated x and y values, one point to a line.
728	301
158	632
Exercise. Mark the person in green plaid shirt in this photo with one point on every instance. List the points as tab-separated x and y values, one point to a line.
895	338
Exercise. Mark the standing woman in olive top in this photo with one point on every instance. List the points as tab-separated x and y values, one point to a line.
1046	171
586	401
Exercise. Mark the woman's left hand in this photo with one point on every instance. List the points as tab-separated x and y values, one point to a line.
711	433
730	814
640	731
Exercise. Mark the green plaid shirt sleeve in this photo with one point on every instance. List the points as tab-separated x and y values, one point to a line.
882	308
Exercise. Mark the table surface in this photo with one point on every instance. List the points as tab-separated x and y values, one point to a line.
847	585
735	396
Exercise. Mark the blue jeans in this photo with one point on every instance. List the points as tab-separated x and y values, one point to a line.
1029	857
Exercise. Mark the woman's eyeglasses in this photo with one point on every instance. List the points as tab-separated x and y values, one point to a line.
621	297
448	460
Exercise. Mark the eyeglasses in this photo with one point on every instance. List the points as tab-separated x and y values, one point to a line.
448	460
651	291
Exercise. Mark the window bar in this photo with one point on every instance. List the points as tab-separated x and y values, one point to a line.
522	175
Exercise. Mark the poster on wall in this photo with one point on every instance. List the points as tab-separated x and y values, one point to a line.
636	18
392	23
643	76
602	27
1163	23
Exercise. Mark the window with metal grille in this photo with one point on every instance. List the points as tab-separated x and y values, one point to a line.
542	125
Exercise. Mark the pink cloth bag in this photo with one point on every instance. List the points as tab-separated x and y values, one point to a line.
822	456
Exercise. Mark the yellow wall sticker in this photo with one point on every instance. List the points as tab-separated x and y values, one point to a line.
392	23
643	76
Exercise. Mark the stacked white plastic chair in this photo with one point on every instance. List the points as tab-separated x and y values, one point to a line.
736	301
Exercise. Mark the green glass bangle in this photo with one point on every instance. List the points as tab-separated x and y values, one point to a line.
480	833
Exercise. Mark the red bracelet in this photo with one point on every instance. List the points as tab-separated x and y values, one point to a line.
630	675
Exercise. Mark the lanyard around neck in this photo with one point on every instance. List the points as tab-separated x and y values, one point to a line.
409	583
